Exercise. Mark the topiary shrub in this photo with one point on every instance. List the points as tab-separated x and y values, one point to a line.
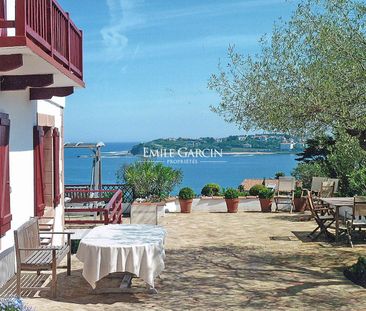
256	189
231	193
186	194
210	190
266	193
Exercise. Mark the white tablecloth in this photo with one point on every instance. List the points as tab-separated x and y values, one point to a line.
138	249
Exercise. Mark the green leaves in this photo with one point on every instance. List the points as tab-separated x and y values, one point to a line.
310	77
150	180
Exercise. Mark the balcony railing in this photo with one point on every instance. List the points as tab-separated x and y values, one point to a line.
50	28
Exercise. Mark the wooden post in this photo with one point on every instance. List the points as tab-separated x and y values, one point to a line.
20	18
68	57
106	217
69	255
54	274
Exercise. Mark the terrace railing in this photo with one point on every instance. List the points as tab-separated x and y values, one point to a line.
111	213
50	28
75	193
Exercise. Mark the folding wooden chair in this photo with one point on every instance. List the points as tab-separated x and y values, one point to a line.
324	218
285	192
358	217
327	189
316	183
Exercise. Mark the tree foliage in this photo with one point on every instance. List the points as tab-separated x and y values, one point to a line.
344	159
150	180
309	78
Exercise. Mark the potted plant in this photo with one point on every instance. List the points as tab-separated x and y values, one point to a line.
254	191
299	200
186	196
150	182
265	199
210	190
232	200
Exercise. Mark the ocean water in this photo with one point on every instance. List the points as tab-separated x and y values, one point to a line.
228	171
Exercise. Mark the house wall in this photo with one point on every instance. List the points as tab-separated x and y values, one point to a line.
23	116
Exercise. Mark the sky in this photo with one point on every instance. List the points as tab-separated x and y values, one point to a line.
147	64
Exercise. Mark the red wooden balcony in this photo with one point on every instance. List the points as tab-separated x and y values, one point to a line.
42	37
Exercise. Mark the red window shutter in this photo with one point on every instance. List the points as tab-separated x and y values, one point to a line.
2	16
39	171
5	213
56	166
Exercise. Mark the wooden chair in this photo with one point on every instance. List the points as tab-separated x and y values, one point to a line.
358	217
31	255
326	189
316	183
285	192
336	184
324	218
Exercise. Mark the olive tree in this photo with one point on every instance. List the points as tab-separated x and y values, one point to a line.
309	77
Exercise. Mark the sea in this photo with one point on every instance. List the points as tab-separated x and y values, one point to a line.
227	171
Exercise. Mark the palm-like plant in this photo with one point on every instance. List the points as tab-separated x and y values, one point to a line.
150	180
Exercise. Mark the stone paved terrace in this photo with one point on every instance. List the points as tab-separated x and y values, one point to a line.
220	261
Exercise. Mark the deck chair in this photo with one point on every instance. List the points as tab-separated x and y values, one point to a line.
327	189
324	218
144	214
358	218
285	192
316	184
336	184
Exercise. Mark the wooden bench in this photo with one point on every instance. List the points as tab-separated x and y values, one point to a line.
31	255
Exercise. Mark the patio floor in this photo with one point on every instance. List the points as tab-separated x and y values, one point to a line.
220	261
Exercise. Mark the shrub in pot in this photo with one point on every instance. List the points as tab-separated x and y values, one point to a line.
186	196
256	189
265	199
299	201
210	190
232	200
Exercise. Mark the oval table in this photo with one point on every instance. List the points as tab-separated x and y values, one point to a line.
134	249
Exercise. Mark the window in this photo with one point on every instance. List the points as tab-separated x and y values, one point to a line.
46	168
5	213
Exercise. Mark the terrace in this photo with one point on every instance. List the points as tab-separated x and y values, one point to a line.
220	261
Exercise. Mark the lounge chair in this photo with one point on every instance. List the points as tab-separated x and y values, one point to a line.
285	192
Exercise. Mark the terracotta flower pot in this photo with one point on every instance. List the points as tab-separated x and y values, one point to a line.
266	205
300	204
185	205
232	205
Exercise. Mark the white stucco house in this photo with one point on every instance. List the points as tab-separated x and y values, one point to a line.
40	64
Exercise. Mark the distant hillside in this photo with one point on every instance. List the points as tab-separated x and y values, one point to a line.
263	142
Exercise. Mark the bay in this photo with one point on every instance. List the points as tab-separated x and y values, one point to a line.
227	171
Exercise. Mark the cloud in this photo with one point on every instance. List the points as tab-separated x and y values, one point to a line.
204	43
123	17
